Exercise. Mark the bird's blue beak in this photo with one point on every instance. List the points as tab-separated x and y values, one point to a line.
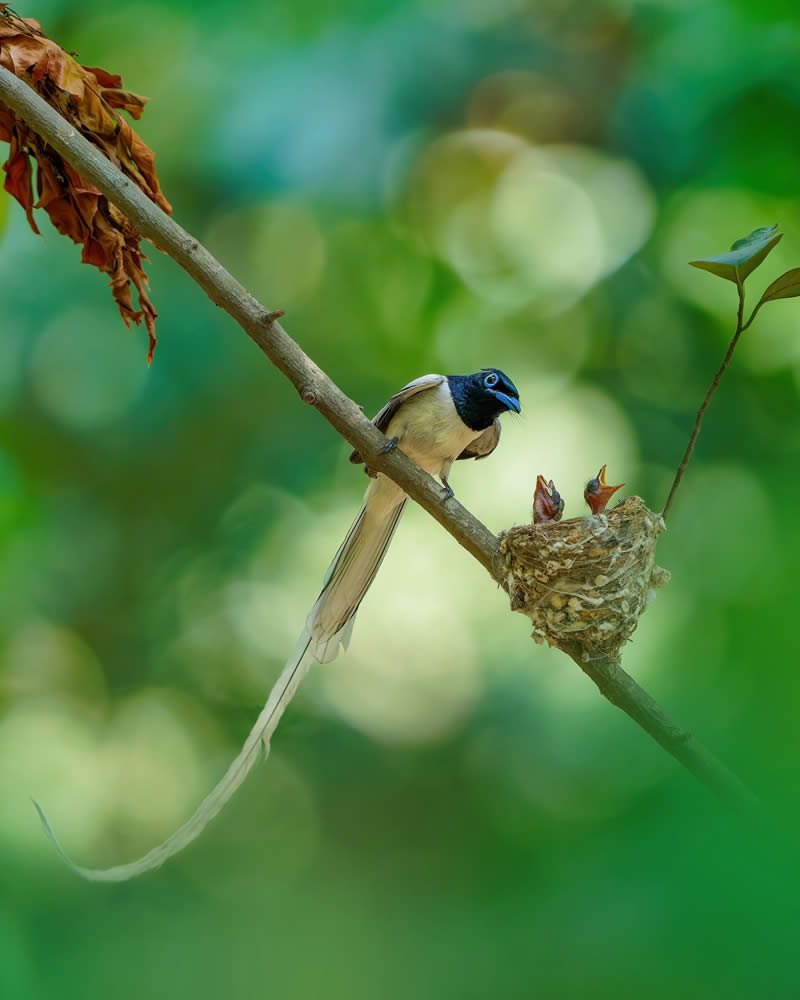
509	402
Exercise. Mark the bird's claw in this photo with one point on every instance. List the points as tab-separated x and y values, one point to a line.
390	445
447	491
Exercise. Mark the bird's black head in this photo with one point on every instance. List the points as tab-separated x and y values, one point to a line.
482	397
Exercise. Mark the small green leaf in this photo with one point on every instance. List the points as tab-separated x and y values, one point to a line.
744	257
757	236
785	287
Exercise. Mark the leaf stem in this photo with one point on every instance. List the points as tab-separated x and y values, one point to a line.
741	326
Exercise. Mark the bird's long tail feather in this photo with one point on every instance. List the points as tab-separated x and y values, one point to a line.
353	569
282	693
327	628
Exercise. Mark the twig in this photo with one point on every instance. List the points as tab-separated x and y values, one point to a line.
316	389
740	328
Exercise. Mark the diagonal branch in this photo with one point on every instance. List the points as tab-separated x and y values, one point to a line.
622	690
316	389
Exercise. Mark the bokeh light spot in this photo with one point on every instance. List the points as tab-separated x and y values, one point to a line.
521	224
276	248
86	371
706	542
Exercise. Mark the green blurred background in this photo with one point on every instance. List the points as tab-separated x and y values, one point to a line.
449	810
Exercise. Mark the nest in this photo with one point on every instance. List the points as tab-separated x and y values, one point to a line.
585	582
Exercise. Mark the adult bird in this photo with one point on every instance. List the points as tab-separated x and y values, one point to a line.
436	420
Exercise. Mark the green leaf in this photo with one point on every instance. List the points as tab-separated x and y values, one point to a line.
744	257
785	287
757	236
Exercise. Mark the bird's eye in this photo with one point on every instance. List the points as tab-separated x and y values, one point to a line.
491	380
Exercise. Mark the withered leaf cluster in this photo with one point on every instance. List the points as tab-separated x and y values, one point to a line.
89	98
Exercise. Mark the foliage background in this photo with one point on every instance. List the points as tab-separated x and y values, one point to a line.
448	810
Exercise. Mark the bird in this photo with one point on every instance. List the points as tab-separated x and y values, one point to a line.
436	420
598	492
548	505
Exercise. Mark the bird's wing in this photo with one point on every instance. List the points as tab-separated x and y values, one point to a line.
383	418
484	444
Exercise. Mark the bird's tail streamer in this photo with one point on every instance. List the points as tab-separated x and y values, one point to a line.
327	628
282	693
350	575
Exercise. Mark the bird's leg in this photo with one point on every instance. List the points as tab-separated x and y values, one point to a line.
447	492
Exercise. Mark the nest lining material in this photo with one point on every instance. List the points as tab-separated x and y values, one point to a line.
584	582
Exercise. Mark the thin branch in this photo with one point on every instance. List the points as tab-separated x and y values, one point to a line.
622	690
698	421
316	389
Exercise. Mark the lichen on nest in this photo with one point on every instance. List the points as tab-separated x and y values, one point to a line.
585	582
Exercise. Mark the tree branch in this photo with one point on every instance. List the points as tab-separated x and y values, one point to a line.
316	389
622	690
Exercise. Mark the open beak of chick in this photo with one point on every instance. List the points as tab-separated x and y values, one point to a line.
547	503
598	492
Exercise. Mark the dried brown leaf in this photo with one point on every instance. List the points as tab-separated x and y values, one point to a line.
18	178
89	98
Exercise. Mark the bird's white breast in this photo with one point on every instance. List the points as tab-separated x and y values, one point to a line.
430	430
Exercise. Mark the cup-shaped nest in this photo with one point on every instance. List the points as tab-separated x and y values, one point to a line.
585	582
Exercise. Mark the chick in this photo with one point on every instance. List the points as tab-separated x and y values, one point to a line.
598	492
547	503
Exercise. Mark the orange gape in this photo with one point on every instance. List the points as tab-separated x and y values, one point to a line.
598	492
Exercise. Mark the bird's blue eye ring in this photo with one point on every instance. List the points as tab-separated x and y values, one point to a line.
491	380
